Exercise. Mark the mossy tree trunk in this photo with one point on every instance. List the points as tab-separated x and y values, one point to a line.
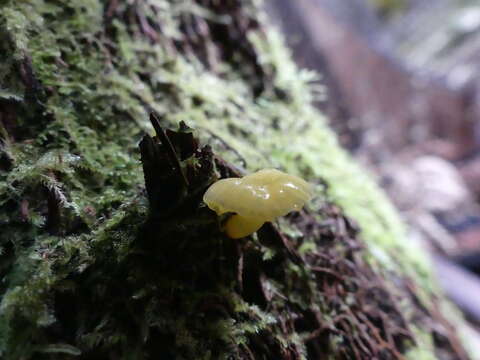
100	259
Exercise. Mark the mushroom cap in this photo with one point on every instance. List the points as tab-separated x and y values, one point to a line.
266	194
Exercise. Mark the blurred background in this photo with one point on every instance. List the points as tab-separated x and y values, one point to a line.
403	80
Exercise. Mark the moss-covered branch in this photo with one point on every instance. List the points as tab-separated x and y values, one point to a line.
94	266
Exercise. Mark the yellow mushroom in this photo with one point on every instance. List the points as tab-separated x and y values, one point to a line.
256	199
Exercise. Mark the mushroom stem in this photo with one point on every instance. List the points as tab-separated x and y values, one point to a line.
239	226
